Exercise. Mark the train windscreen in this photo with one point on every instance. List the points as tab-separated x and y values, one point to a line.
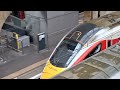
71	44
65	53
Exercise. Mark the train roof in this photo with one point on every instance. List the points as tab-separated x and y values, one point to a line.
103	65
83	31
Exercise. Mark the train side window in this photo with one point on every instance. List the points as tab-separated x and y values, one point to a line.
94	51
109	43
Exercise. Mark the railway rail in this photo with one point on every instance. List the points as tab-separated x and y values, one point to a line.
28	72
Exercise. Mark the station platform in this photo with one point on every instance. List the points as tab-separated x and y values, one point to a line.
21	60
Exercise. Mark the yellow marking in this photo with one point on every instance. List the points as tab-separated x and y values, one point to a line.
16	37
79	33
50	71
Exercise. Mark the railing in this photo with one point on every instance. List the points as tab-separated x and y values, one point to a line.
16	22
29	25
12	41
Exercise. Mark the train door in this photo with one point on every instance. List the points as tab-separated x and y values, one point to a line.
109	43
104	44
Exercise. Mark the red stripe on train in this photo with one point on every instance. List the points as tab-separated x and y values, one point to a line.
104	46
82	57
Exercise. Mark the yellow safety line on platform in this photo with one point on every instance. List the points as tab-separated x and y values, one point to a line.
24	70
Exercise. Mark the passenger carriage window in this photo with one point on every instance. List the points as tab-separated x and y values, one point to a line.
94	51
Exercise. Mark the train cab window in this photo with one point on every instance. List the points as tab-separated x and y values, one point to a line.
94	51
64	54
71	44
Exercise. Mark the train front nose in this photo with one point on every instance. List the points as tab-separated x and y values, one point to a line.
50	71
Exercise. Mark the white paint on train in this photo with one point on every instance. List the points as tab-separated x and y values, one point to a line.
116	76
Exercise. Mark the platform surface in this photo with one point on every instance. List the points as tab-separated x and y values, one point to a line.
20	61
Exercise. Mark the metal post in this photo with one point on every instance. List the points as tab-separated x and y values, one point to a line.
38	43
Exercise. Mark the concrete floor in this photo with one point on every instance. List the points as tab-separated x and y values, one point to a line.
9	54
14	61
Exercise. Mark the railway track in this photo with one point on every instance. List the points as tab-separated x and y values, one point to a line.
31	72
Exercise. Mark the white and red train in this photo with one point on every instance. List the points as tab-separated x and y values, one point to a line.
82	42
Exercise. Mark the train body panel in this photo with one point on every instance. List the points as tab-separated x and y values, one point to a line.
82	42
86	52
52	71
104	65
